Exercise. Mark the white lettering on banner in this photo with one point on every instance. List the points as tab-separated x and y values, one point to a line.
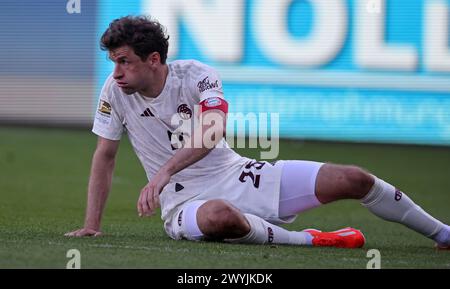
219	30
217	26
437	54
323	44
371	51
373	6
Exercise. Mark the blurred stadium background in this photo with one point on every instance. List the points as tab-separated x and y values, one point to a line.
342	72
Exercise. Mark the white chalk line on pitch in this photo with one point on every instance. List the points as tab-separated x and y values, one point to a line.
176	250
145	248
111	246
181	250
159	249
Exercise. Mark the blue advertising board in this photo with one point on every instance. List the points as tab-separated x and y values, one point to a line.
351	70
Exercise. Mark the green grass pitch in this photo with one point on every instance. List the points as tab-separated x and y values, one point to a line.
43	180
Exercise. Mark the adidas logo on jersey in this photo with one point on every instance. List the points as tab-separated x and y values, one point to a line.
147	112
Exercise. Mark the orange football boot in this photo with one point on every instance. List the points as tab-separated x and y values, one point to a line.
344	238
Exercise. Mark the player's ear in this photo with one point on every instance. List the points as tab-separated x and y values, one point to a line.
154	59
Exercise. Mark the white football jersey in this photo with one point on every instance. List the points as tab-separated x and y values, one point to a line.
152	124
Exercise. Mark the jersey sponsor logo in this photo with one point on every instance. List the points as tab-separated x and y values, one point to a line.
104	107
213	102
147	112
205	84
398	195
184	111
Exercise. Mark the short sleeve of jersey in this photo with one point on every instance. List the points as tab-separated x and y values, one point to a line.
107	122
208	83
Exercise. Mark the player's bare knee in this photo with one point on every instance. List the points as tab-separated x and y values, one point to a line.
219	220
331	183
359	182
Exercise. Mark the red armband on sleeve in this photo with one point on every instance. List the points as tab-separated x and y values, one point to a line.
214	103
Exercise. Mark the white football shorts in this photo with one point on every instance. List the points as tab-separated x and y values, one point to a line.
275	192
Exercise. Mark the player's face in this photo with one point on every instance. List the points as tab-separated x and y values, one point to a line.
130	72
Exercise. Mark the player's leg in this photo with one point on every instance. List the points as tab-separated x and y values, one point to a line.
335	182
220	220
298	194
213	219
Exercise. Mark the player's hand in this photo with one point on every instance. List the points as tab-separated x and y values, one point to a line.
83	233
149	199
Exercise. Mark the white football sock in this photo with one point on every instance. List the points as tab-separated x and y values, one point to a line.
443	237
393	205
262	232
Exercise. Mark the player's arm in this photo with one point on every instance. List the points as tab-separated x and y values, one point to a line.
100	180
205	136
